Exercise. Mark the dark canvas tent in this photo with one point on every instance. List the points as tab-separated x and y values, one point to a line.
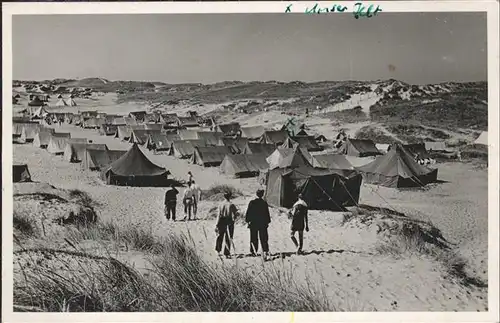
397	168
138	115
289	157
276	137
20	173
36	102
187	122
29	131
252	133
244	165
332	161
359	148
75	152
229	129
57	142
140	136
185	148
123	132
42	138
256	148
100	159
158	141
210	137
129	121
153	126
322	188
237	145
188	134
135	169
414	149
108	130
209	156
308	142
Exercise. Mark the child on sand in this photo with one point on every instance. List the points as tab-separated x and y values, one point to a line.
299	222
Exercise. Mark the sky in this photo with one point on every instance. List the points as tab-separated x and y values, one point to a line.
417	48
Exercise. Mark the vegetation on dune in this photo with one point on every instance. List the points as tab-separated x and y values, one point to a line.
375	134
216	192
415	133
353	115
401	236
179	280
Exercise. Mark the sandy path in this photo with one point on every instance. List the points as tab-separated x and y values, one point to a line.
352	277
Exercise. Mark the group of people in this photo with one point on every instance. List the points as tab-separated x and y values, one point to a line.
257	217
190	199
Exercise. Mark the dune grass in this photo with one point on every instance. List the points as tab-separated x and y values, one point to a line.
216	192
23	225
180	280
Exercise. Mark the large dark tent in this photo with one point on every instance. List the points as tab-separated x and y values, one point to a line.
135	169
256	148
397	168
244	165
209	156
20	173
275	137
414	149
211	138
100	159
359	148
322	189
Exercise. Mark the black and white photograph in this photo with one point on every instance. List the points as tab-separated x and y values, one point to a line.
307	160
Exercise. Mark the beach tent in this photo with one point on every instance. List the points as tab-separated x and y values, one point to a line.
294	128
29	131
39	113
42	137
61	103
482	139
211	138
123	132
139	116
57	142
437	146
36	102
244	165
187	122
185	148
169	119
252	133
100	159
20	173
17	127
119	121
129	121
275	137
153	126
74	152
237	145
304	142
289	157
414	149
332	161
158	141
140	136
108	130
209	156
397	168
256	148
322	189
359	148
229	129
188	134
70	102
135	169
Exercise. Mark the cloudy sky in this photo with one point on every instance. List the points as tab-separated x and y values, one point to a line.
413	47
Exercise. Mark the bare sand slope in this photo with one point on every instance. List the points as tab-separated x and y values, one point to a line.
341	259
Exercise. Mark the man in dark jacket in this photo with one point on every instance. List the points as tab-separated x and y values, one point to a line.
258	219
171	202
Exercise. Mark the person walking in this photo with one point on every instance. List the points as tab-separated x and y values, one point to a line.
171	202
188	201
224	225
197	197
190	177
258	219
299	222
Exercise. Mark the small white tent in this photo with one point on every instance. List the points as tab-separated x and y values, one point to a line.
61	103
71	102
482	139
